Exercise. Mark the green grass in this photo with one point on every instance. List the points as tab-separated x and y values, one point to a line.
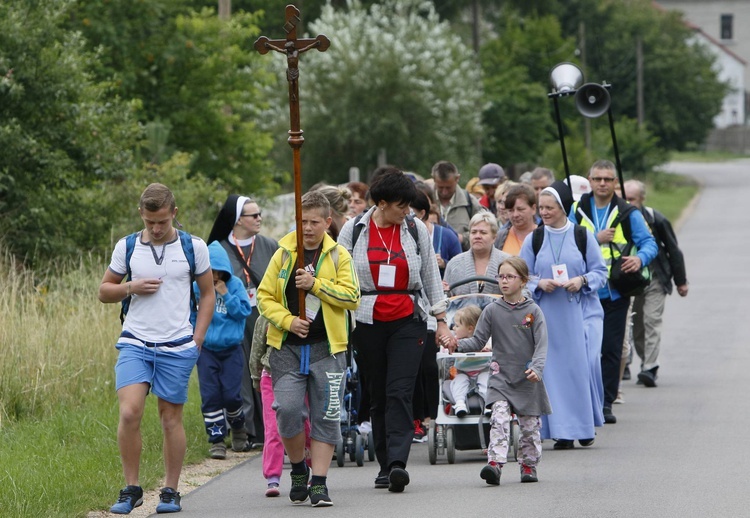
58	407
704	156
669	193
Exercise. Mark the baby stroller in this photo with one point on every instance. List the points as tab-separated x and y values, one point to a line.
471	432
352	442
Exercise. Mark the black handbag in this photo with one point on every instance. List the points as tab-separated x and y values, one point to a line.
629	284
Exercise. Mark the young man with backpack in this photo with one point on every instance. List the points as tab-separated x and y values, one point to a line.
158	346
617	226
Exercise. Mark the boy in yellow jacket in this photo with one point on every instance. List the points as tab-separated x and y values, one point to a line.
308	358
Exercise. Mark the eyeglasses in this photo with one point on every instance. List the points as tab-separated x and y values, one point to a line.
256	215
506	277
606	179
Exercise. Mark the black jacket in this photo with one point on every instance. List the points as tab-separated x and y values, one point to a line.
669	263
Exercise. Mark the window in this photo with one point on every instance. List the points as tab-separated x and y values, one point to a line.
726	26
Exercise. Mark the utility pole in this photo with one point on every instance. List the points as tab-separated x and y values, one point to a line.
639	81
582	47
225	9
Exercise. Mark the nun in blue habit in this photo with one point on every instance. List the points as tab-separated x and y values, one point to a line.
564	284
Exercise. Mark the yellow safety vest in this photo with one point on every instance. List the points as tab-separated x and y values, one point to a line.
619	243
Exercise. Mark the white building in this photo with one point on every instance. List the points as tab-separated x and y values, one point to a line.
722	25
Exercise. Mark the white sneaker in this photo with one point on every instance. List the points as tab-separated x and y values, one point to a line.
620	399
460	409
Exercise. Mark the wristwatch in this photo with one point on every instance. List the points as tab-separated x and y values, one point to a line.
585	280
441	320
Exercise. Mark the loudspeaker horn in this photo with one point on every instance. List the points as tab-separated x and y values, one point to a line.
592	100
565	78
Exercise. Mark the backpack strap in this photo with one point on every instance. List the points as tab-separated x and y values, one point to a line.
537	238
469	207
129	247
581	237
579	232
186	241
411	226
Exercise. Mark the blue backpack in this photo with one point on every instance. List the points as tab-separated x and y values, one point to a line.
186	240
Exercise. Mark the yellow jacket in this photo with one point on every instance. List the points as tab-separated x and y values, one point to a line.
336	287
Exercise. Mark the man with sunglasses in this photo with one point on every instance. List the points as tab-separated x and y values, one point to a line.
237	227
600	211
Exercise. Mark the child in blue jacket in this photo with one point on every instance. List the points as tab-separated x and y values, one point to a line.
221	360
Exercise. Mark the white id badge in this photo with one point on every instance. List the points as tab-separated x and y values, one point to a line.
387	276
251	293
560	272
312	306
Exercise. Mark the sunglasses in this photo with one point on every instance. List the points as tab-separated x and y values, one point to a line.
256	215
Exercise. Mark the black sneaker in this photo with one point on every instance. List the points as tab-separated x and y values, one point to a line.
491	474
647	378
609	417
382	482
319	496
626	374
130	498
398	478
300	492
169	501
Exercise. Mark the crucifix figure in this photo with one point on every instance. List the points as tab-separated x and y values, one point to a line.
293	47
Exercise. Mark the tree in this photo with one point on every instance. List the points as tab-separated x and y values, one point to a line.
61	131
195	74
516	67
395	78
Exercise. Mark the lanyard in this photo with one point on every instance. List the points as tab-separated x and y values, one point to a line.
387	248
559	249
600	224
247	261
314	261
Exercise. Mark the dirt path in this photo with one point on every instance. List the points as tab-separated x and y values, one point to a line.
193	476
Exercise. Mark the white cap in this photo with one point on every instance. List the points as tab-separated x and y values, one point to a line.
579	186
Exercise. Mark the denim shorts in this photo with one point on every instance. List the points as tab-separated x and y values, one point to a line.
166	369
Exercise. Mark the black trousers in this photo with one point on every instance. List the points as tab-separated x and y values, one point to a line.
615	320
390	354
427	387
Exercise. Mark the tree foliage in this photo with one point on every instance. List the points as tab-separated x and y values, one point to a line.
192	72
395	78
61	130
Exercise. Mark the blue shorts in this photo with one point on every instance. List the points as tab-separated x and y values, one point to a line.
166	369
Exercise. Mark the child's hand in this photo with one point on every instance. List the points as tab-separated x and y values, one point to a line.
220	287
531	375
303	280
300	327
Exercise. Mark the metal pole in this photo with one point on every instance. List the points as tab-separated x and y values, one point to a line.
617	151
561	137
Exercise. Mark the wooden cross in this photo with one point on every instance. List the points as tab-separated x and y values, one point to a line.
293	47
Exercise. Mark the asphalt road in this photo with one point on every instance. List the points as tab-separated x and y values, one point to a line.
678	450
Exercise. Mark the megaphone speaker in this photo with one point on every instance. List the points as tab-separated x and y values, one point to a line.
592	100
565	78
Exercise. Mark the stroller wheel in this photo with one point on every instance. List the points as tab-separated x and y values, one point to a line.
340	453
359	450
432	443
513	443
450	440
370	446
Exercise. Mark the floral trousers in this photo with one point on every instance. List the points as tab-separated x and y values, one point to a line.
529	441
